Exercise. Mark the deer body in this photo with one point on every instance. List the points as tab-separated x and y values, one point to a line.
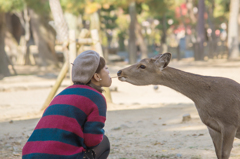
217	99
211	95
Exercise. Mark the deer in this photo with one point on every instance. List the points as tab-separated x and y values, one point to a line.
217	99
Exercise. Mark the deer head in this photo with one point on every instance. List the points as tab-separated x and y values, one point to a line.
145	71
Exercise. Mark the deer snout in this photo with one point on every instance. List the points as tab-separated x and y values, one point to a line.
119	72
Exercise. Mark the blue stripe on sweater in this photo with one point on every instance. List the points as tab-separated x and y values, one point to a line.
93	128
53	134
50	156
92	95
68	111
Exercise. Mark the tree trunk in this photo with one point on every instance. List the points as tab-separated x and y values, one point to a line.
60	24
238	27
233	30
190	11
212	40
25	21
141	41
132	34
59	20
24	42
4	70
17	29
200	31
10	41
193	20
27	36
44	38
164	35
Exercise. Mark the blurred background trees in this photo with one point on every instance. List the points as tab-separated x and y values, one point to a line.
129	30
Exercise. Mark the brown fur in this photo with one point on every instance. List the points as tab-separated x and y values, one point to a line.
217	99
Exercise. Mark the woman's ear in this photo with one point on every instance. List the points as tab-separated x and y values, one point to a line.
96	77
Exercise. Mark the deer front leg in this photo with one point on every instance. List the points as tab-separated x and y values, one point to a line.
223	142
228	138
217	141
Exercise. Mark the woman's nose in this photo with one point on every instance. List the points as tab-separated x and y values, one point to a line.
119	73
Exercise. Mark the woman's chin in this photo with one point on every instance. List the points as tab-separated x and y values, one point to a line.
107	84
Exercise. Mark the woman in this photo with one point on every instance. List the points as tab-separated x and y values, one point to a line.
72	125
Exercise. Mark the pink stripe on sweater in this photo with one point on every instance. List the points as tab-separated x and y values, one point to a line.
60	122
81	102
50	147
95	117
92	139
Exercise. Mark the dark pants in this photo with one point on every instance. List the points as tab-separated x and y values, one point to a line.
99	152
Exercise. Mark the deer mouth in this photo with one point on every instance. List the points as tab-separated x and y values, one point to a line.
121	78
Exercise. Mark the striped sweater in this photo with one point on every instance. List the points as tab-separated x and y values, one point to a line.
72	122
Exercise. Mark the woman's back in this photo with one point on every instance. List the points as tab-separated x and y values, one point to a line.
72	123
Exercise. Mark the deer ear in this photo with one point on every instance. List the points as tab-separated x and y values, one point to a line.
163	60
156	57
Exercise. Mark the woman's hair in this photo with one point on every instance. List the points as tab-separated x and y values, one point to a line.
101	65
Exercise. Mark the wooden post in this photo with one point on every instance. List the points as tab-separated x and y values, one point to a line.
98	49
10	62
107	94
83	34
57	84
72	51
96	42
85	41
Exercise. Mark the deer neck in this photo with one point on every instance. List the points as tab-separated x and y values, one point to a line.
191	85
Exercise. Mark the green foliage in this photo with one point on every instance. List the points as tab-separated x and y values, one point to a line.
109	22
221	8
11	5
41	7
73	6
159	8
122	25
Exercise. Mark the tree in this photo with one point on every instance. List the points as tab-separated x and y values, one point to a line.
108	21
141	42
200	31
211	21
4	71
44	38
233	30
132	34
6	6
162	10
130	7
43	33
13	33
24	18
60	23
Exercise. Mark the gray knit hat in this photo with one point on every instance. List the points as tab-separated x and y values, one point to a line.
84	66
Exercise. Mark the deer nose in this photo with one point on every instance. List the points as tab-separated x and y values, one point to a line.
119	73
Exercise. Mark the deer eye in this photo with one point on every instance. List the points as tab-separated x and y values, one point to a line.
142	66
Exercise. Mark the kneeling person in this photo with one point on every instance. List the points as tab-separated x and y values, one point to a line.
72	125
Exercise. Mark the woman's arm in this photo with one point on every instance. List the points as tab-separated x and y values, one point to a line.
93	127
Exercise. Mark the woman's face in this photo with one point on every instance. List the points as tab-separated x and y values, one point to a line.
106	79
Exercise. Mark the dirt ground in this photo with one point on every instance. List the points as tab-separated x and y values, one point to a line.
142	123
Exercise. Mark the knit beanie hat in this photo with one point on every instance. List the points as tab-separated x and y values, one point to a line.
84	66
